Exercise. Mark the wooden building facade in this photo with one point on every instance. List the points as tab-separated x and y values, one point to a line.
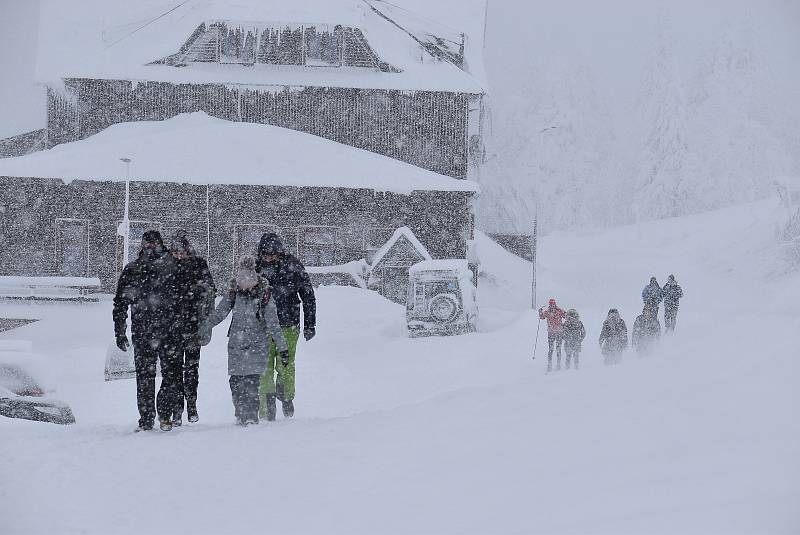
51	228
424	128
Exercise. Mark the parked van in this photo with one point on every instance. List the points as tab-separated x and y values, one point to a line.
442	299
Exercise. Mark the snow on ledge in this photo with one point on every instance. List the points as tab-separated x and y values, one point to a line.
198	149
12	281
455	265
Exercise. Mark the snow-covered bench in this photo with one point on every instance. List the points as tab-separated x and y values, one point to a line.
49	288
349	274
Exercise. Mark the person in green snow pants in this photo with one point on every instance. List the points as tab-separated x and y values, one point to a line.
290	286
278	380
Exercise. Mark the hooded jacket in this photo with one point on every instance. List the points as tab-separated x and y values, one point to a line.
646	329
196	292
652	294
253	323
289	282
554	317
574	333
672	294
614	335
149	286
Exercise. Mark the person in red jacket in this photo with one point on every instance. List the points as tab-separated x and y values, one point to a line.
555	332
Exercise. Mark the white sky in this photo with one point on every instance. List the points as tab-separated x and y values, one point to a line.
613	37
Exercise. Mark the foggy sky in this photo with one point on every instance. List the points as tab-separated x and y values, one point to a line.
613	37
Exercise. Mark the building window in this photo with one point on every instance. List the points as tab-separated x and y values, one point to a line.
72	247
318	245
322	47
374	239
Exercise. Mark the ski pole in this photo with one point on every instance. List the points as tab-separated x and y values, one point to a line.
536	343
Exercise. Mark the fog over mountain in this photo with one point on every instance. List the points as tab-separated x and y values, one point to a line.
637	110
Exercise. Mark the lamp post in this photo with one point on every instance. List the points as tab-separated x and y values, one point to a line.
535	240
125	227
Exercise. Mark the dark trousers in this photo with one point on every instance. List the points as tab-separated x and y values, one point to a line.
146	352
572	351
553	339
190	358
244	392
670	314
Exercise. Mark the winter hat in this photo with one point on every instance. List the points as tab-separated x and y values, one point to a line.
270	244
572	313
246	276
152	236
653	280
180	243
552	302
672	278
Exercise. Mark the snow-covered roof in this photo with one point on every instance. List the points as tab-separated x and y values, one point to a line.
198	149
442	24
402	232
116	39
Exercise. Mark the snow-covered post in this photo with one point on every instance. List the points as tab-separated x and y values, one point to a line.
535	241
125	227
533	253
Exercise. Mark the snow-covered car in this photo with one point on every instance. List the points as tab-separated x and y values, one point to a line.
442	300
21	396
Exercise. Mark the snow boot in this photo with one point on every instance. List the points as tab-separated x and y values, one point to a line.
288	408
177	419
144	425
271	408
165	425
191	412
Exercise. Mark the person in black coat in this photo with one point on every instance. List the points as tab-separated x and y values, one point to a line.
672	295
196	293
290	287
646	331
574	333
148	285
613	337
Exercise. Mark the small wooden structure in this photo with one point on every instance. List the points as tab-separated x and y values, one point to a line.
390	265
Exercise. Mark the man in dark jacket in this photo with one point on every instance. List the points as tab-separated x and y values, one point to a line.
196	293
290	286
148	286
672	295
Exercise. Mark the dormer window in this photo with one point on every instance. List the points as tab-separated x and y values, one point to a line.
318	45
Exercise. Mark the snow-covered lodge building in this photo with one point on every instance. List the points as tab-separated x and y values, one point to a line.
362	73
222	108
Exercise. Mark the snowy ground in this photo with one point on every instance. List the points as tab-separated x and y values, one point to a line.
456	435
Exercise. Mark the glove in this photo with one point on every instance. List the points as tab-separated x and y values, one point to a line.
309	333
285	357
122	343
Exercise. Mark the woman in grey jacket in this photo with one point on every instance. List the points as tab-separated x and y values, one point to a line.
254	322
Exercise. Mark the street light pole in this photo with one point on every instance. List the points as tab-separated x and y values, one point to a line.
533	254
535	241
126	223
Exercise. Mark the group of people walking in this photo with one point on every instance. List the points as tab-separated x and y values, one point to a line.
562	327
566	327
172	300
